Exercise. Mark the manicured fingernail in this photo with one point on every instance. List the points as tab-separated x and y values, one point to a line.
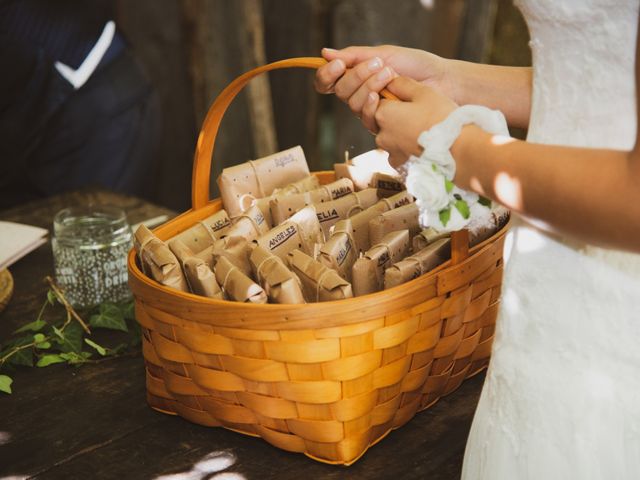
384	74
372	97
336	66
375	64
329	50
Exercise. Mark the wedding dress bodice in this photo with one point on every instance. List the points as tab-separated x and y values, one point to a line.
584	82
561	397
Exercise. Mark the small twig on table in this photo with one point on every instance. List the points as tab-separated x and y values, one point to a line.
66	304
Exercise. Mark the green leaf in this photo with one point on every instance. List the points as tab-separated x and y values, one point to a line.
448	185
109	317
50	359
5	383
74	358
71	339
463	208
100	349
41	341
445	216
33	326
128	310
484	201
51	297
22	357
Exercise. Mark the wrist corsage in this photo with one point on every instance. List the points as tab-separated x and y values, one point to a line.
429	177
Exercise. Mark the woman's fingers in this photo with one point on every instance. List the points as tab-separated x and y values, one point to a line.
369	111
328	75
375	83
355	77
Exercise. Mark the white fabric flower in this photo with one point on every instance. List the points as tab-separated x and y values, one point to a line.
426	185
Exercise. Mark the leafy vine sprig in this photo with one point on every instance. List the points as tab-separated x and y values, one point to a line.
44	342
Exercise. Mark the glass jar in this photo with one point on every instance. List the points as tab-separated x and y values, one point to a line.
90	246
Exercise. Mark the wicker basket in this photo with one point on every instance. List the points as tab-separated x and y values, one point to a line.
325	379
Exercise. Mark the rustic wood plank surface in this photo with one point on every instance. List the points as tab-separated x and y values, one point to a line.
93	421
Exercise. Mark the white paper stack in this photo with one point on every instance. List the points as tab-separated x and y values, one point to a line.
17	240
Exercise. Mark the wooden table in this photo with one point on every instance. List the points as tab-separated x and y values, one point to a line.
93	422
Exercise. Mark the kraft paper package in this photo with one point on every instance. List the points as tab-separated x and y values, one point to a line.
279	283
368	270
283	207
301	231
406	216
197	272
360	221
340	252
426	237
330	212
319	283
180	250
387	185
204	233
360	169
234	249
418	264
306	184
236	285
259	178
249	224
158	261
201	278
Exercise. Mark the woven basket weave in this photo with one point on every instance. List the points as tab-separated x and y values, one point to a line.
326	379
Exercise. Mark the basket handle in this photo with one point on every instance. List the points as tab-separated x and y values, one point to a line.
201	176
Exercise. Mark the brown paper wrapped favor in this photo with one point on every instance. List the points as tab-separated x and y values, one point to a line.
283	207
236	285
234	249
197	271
419	263
330	212
259	178
280	284
398	200
201	279
339	252
319	283
368	270
360	221
387	185
426	237
157	261
301	231
249	224
204	233
396	219
305	185
180	250
308	183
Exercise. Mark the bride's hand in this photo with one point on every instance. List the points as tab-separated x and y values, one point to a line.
401	121
357	74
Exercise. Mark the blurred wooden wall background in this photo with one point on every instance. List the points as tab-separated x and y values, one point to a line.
193	48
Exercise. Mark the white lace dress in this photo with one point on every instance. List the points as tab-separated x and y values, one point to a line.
562	394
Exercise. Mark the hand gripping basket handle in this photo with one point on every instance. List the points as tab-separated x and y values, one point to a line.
201	177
